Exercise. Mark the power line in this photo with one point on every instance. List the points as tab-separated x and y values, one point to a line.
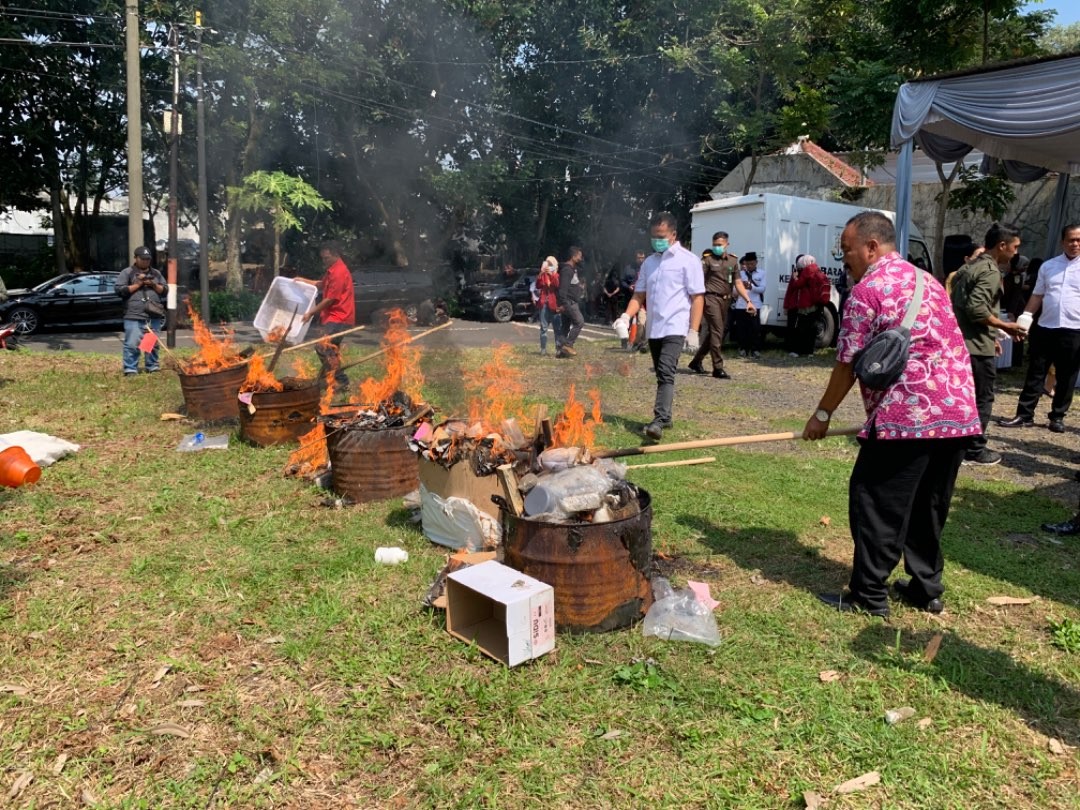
65	15
52	42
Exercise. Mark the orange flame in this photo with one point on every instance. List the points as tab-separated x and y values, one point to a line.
402	366
276	334
496	391
213	354
259	379
571	428
312	455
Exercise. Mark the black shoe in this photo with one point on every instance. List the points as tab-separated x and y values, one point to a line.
1068	528
845	604
1016	421
1056	426
720	374
902	592
696	367
654	430
984	458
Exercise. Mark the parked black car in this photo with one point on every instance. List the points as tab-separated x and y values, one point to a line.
501	302
67	300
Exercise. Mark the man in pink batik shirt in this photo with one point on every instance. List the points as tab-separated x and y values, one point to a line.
916	432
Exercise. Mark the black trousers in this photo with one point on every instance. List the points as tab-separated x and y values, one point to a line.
572	321
1060	347
748	330
801	331
898	501
715	312
330	354
984	370
665	357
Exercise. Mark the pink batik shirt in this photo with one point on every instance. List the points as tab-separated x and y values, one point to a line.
935	396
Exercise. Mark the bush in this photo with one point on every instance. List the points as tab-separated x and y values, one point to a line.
227	306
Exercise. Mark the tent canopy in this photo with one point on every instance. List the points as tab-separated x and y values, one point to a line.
1024	114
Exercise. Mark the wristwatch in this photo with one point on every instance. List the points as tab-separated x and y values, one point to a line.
822	415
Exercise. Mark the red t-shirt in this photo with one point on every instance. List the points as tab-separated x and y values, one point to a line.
337	288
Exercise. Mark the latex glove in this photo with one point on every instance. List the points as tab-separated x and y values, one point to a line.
622	327
693	342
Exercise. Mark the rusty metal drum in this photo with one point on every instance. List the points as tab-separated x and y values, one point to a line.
600	571
212	396
371	465
280	417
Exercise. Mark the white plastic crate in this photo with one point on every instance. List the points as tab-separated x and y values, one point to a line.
285	296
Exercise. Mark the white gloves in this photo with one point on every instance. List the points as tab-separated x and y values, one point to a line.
693	342
622	327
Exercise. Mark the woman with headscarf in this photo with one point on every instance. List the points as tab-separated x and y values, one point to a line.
547	304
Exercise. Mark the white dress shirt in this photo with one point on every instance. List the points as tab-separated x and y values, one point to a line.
1059	285
669	279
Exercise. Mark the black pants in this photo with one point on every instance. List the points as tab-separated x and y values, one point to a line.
572	321
665	357
748	330
1060	347
984	370
898	501
716	311
330	355
801	332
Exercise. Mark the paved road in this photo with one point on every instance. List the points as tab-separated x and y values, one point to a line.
466	334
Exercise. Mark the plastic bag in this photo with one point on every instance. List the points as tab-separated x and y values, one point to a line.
679	616
457	523
198	441
578	489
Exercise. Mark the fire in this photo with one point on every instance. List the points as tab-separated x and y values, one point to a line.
276	334
312	454
496	391
572	429
402	366
213	354
259	379
303	367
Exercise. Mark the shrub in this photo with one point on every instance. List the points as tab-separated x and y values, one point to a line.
227	306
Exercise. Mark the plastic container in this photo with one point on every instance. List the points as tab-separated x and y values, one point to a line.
1024	321
578	489
284	297
391	555
199	441
17	468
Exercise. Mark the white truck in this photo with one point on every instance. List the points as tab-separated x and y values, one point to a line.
778	228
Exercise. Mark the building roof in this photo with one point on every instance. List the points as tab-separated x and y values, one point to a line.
834	165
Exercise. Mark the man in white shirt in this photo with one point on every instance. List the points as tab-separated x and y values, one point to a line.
672	285
1056	337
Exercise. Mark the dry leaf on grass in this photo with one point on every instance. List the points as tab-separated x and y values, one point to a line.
274	640
25	778
265	775
1055	746
191	704
828	675
194	688
758	579
813	800
932	647
171	417
169	729
825	520
1001	601
161	673
58	766
925	723
89	799
859	783
614	734
394	682
14	689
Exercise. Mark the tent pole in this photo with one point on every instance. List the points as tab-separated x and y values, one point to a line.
903	197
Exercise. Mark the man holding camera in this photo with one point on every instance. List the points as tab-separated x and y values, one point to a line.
141	287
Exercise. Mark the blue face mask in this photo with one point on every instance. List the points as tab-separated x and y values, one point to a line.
719	250
660	245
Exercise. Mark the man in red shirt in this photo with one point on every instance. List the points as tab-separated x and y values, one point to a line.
336	308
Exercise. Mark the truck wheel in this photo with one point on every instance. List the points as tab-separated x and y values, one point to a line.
503	312
826	329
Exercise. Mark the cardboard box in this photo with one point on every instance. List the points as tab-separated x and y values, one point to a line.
459	482
510	616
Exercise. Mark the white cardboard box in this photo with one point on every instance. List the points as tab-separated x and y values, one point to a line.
509	615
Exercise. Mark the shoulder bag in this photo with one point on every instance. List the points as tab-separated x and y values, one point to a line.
883	359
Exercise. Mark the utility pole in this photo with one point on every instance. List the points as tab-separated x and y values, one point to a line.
174	159
134	127
204	217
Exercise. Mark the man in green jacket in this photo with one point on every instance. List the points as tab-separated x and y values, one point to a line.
976	301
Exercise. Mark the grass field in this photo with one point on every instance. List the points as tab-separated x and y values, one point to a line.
194	630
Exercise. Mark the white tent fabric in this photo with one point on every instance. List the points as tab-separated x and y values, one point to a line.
1025	114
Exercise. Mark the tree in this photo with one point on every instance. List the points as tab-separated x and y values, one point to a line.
282	198
1061	39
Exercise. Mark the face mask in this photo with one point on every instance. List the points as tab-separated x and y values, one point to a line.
719	250
660	245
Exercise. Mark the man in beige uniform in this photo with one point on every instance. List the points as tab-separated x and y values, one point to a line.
721	277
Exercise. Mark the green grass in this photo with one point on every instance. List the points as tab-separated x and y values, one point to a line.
323	683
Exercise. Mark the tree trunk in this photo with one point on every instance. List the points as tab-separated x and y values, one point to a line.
943	208
750	175
234	277
277	251
541	220
58	223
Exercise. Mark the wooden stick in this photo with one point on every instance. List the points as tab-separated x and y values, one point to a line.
725	442
509	483
420	414
684	463
281	342
307	343
373	355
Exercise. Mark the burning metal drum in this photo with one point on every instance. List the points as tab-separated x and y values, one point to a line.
280	417
371	464
600	571
212	396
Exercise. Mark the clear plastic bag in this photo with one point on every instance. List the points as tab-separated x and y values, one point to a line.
679	616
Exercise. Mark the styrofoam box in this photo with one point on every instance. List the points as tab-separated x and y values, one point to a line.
509	615
285	296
